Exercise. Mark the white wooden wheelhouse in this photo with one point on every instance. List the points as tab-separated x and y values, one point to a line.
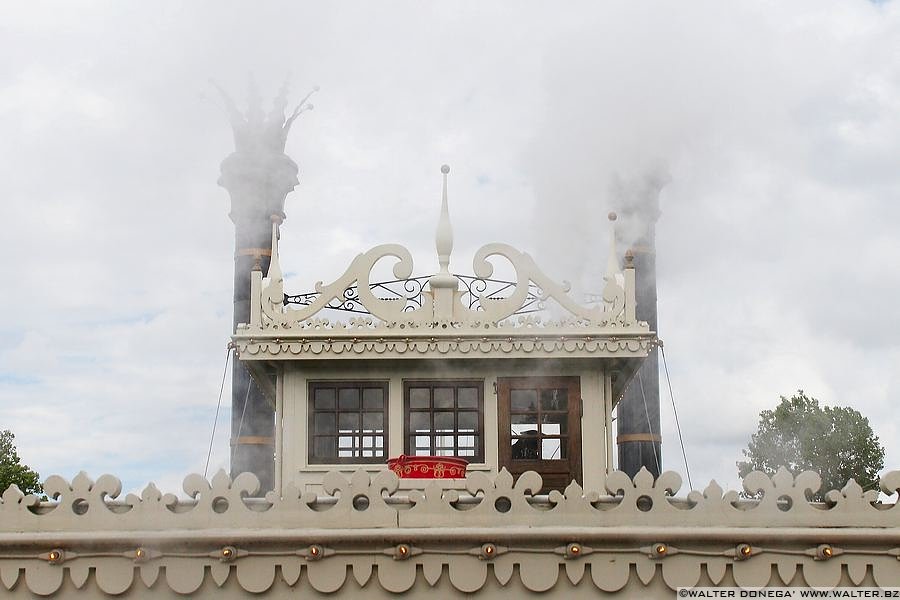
452	365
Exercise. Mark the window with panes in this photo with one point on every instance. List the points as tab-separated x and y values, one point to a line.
348	422
444	418
539	423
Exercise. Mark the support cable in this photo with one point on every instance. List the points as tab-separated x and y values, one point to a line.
687	468
243	411
218	406
649	425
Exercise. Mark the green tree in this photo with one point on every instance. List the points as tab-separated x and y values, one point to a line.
12	471
836	442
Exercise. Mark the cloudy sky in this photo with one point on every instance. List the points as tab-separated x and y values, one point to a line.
778	124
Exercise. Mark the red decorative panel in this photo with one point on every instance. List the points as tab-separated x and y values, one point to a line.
428	467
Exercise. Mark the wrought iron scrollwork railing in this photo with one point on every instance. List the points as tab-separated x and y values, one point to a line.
475	287
409	291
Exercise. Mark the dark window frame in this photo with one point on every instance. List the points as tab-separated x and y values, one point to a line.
455	384
556	473
311	412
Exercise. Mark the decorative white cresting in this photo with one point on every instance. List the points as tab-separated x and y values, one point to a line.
712	535
441	306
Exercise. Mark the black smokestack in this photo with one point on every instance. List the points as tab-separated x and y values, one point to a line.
639	439
258	176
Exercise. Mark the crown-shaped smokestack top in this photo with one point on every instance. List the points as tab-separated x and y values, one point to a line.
258	174
256	132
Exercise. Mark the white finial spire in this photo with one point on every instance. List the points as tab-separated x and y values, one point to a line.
444	235
274	273
612	261
443	285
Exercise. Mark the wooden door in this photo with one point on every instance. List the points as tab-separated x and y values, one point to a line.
540	428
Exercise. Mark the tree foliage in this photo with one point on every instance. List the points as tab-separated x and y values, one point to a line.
836	442
12	471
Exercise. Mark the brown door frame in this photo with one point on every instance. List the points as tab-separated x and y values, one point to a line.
554	473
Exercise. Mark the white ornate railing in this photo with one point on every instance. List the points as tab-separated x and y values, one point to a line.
637	534
440	304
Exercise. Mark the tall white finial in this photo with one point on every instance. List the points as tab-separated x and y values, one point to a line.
274	273
444	236
443	285
612	261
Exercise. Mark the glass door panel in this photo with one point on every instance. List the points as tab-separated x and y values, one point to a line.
540	427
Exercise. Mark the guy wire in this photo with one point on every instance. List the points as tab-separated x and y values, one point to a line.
218	405
687	468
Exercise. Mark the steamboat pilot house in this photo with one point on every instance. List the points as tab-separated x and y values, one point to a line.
451	365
